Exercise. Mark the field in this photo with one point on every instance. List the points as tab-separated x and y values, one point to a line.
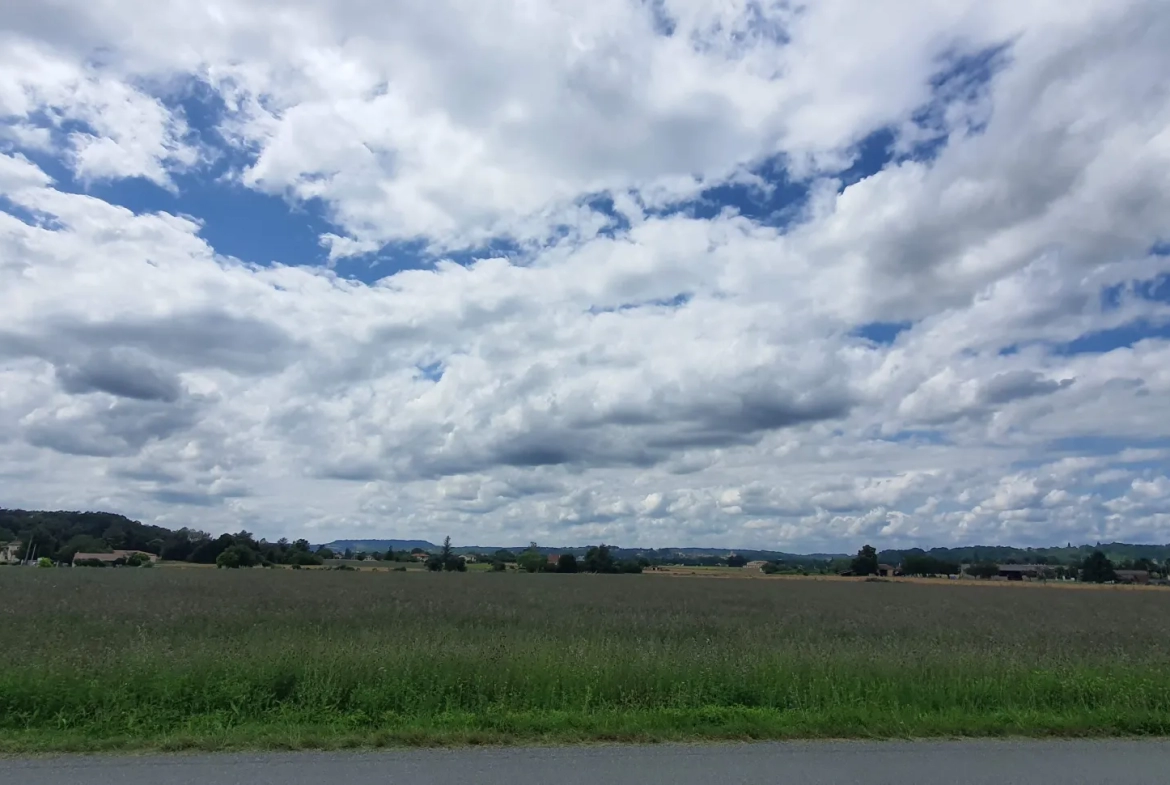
177	659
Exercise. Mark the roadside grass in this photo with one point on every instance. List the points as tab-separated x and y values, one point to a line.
171	660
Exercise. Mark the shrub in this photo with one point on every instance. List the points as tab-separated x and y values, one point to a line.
567	563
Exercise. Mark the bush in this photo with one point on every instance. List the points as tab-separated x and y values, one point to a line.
435	564
398	569
237	556
44	561
567	563
498	566
305	559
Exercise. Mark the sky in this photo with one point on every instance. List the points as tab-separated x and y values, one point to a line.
747	273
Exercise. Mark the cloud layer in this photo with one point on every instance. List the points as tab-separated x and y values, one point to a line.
751	273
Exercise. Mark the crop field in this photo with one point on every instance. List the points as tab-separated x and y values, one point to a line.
212	659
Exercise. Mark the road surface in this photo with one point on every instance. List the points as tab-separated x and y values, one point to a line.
801	763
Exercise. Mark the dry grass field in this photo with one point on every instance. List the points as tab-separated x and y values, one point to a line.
178	658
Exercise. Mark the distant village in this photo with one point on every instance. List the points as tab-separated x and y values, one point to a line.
1140	572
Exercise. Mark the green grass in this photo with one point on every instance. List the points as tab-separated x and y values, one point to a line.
186	659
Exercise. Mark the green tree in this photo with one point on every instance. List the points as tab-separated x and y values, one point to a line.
921	564
599	559
735	560
983	570
236	556
304	559
80	543
325	553
434	564
1097	568
532	560
505	556
866	561
567	563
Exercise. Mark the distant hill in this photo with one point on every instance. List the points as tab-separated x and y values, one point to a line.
369	546
61	533
1117	552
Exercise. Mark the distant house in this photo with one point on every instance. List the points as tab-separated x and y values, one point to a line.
553	559
1018	572
421	556
1133	576
470	558
110	558
8	552
757	566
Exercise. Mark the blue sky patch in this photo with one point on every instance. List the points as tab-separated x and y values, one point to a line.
883	333
1103	341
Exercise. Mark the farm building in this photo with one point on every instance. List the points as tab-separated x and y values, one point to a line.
110	558
756	566
1018	572
1133	576
8	552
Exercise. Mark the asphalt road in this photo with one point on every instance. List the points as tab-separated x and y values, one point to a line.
803	763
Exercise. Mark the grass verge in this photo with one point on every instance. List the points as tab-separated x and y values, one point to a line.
560	727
